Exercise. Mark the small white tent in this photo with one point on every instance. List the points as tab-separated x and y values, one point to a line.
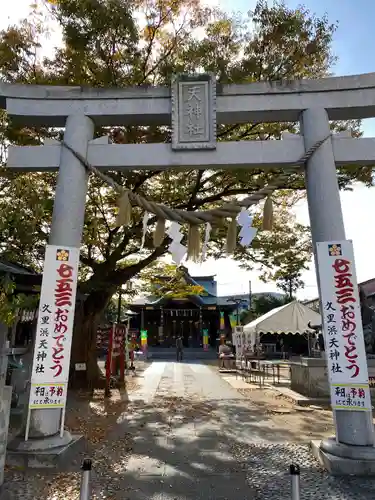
291	318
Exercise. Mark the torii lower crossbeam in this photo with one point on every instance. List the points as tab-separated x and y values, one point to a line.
230	155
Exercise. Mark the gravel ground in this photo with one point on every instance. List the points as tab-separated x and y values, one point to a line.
300	424
94	417
186	434
292	428
266	464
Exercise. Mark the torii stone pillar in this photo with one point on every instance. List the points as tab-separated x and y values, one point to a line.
66	230
353	428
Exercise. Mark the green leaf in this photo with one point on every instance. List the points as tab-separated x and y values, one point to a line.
105	44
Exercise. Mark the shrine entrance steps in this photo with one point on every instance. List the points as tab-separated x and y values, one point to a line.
189	353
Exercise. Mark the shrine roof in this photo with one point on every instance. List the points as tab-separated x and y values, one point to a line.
206	282
25	279
229	301
12	268
204	278
199	300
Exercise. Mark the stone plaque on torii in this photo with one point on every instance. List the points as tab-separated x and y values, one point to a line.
193	102
313	103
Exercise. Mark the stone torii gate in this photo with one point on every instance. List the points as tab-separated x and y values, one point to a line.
312	103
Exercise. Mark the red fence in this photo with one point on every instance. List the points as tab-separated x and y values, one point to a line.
112	340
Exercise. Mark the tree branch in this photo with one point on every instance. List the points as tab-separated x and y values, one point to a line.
231	129
118	277
195	190
151	41
219	196
142	179
87	261
166	54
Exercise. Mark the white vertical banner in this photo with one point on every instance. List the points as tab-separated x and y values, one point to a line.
342	324
54	332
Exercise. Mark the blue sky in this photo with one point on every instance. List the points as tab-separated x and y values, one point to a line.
354	48
351	43
355	55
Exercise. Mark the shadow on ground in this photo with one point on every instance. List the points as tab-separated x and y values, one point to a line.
186	450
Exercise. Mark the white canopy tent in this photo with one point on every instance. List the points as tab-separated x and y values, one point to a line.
291	318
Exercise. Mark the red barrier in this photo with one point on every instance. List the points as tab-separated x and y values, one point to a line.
121	336
115	355
108	367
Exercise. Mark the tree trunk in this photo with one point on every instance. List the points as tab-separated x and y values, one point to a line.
88	315
86	323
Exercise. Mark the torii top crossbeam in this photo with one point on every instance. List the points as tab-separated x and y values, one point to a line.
341	97
348	97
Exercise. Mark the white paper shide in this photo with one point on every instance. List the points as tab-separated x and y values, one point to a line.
177	250
247	232
343	332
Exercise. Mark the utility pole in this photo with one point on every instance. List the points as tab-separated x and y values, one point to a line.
129	287
119	305
250	296
290	289
237	302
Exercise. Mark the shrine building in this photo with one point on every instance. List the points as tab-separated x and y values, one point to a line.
168	317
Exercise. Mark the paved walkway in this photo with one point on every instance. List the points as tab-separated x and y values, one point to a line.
197	438
179	451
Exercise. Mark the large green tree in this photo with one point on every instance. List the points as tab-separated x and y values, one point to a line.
119	43
261	305
289	278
